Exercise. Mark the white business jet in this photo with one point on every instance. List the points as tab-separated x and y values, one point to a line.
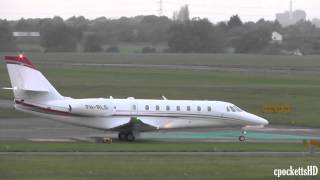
34	94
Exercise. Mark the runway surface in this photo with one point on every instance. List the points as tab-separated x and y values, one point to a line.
39	129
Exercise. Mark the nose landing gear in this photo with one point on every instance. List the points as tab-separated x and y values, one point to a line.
242	137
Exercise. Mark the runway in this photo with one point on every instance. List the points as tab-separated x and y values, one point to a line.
15	129
39	129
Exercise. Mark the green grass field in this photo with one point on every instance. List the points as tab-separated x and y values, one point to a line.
145	146
148	167
249	90
275	61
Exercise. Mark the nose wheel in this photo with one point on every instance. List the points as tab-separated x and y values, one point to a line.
242	137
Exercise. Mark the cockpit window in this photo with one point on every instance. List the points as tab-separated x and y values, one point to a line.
238	109
232	109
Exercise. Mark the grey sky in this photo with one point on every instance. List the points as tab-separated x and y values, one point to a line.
215	10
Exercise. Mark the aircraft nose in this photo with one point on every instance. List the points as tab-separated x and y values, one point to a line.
263	121
258	120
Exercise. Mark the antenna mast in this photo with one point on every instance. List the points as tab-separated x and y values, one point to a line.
160	10
291	10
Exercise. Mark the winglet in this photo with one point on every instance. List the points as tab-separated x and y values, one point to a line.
20	59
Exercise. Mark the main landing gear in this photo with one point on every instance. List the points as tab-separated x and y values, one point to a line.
242	137
126	136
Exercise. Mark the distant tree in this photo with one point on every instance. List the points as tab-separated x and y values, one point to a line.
182	35
304	36
92	43
25	25
6	38
153	29
55	35
254	41
268	25
277	25
113	30
234	22
56	20
198	35
223	26
100	20
79	22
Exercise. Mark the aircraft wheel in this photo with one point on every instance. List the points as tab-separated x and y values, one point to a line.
130	137
242	138
122	136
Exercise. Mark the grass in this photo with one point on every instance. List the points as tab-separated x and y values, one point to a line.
148	167
144	146
10	113
275	61
249	90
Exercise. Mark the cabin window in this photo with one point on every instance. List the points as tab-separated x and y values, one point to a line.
232	109
147	107
134	107
228	110
178	108
168	108
199	108
114	107
188	108
157	107
209	108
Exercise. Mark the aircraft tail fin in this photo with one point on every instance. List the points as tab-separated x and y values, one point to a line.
27	82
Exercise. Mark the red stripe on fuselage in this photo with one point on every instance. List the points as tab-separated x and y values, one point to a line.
48	110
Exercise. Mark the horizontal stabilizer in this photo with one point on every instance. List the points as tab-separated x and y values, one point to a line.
26	89
7	88
35	89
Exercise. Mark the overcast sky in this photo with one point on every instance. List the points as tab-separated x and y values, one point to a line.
215	10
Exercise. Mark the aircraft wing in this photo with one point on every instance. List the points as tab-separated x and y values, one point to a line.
135	124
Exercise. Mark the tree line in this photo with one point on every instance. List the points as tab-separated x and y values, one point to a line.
189	36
